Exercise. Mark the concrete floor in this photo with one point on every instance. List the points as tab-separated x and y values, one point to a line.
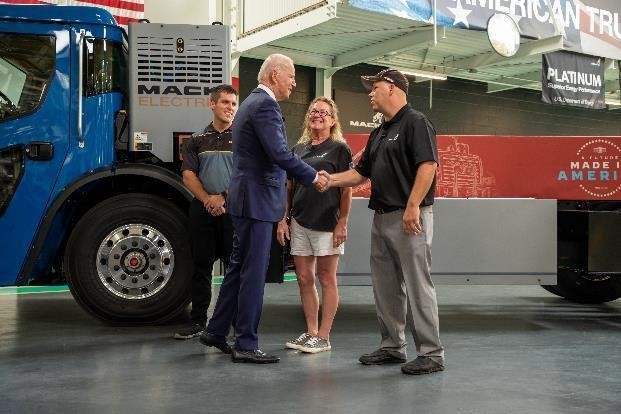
508	350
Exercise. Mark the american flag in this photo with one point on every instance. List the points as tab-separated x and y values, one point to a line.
124	11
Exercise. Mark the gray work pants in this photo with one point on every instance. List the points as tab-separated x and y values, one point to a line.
402	285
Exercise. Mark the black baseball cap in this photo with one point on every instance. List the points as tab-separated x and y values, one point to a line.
389	75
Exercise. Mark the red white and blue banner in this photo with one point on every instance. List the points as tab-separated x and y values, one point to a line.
124	11
591	27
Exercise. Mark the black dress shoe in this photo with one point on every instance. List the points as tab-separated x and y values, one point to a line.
380	357
219	342
255	357
423	365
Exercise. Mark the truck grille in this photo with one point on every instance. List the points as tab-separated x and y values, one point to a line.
201	61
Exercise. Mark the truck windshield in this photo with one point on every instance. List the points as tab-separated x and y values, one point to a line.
106	67
26	68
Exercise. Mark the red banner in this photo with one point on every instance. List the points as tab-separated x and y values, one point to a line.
553	167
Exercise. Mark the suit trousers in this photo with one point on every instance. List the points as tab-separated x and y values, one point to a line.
402	286
211	238
241	293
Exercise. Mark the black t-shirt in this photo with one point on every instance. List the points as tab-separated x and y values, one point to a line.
392	155
312	209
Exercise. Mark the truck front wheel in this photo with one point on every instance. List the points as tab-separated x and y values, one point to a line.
128	260
580	286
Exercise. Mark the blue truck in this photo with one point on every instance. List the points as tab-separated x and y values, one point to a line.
88	193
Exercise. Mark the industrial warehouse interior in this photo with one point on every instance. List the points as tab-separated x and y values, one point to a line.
162	163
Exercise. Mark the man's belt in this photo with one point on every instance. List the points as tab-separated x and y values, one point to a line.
387	210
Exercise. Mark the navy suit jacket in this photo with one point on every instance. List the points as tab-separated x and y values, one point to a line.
260	159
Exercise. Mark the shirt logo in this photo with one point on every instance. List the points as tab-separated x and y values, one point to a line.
393	138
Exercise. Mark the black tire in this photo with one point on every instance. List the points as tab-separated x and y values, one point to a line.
128	260
579	286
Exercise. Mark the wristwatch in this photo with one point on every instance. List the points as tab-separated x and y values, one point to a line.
224	194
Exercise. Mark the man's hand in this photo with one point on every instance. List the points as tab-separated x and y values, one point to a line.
215	205
340	234
323	181
411	220
282	232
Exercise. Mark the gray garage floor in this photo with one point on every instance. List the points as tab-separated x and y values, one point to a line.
509	350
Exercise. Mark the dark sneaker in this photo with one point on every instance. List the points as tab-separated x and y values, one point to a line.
192	332
422	365
219	342
255	356
299	341
316	344
381	356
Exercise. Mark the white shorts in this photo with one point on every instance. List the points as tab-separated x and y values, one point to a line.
307	242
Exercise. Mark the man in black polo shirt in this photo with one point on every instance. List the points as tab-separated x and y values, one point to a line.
206	168
401	159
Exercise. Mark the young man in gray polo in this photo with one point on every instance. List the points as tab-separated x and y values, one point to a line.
401	158
206	168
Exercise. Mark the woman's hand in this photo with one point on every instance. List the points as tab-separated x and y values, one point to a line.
340	234
282	232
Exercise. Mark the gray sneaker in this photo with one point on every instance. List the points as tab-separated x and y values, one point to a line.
316	344
299	341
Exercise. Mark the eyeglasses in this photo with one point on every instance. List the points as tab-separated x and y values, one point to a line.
322	112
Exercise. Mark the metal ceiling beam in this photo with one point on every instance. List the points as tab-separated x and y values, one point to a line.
299	57
416	39
285	27
506	83
533	48
517	81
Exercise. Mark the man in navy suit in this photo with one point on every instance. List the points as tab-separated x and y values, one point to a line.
255	201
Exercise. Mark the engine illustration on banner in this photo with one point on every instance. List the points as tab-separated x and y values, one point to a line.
549	167
461	173
357	144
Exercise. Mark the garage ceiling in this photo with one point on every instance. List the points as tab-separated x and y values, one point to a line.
332	35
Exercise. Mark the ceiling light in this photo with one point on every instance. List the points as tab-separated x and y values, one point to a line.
503	34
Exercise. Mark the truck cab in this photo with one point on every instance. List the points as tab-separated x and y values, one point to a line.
75	202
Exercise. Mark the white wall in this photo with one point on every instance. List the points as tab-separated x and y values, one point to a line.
180	11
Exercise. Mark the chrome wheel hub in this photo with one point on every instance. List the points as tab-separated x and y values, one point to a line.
135	261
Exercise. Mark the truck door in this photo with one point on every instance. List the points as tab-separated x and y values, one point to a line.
34	133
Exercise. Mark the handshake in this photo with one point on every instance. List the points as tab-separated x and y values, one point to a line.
323	181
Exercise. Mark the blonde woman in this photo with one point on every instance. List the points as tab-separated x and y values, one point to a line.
318	228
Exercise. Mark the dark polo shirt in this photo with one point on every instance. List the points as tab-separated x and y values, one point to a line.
392	156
